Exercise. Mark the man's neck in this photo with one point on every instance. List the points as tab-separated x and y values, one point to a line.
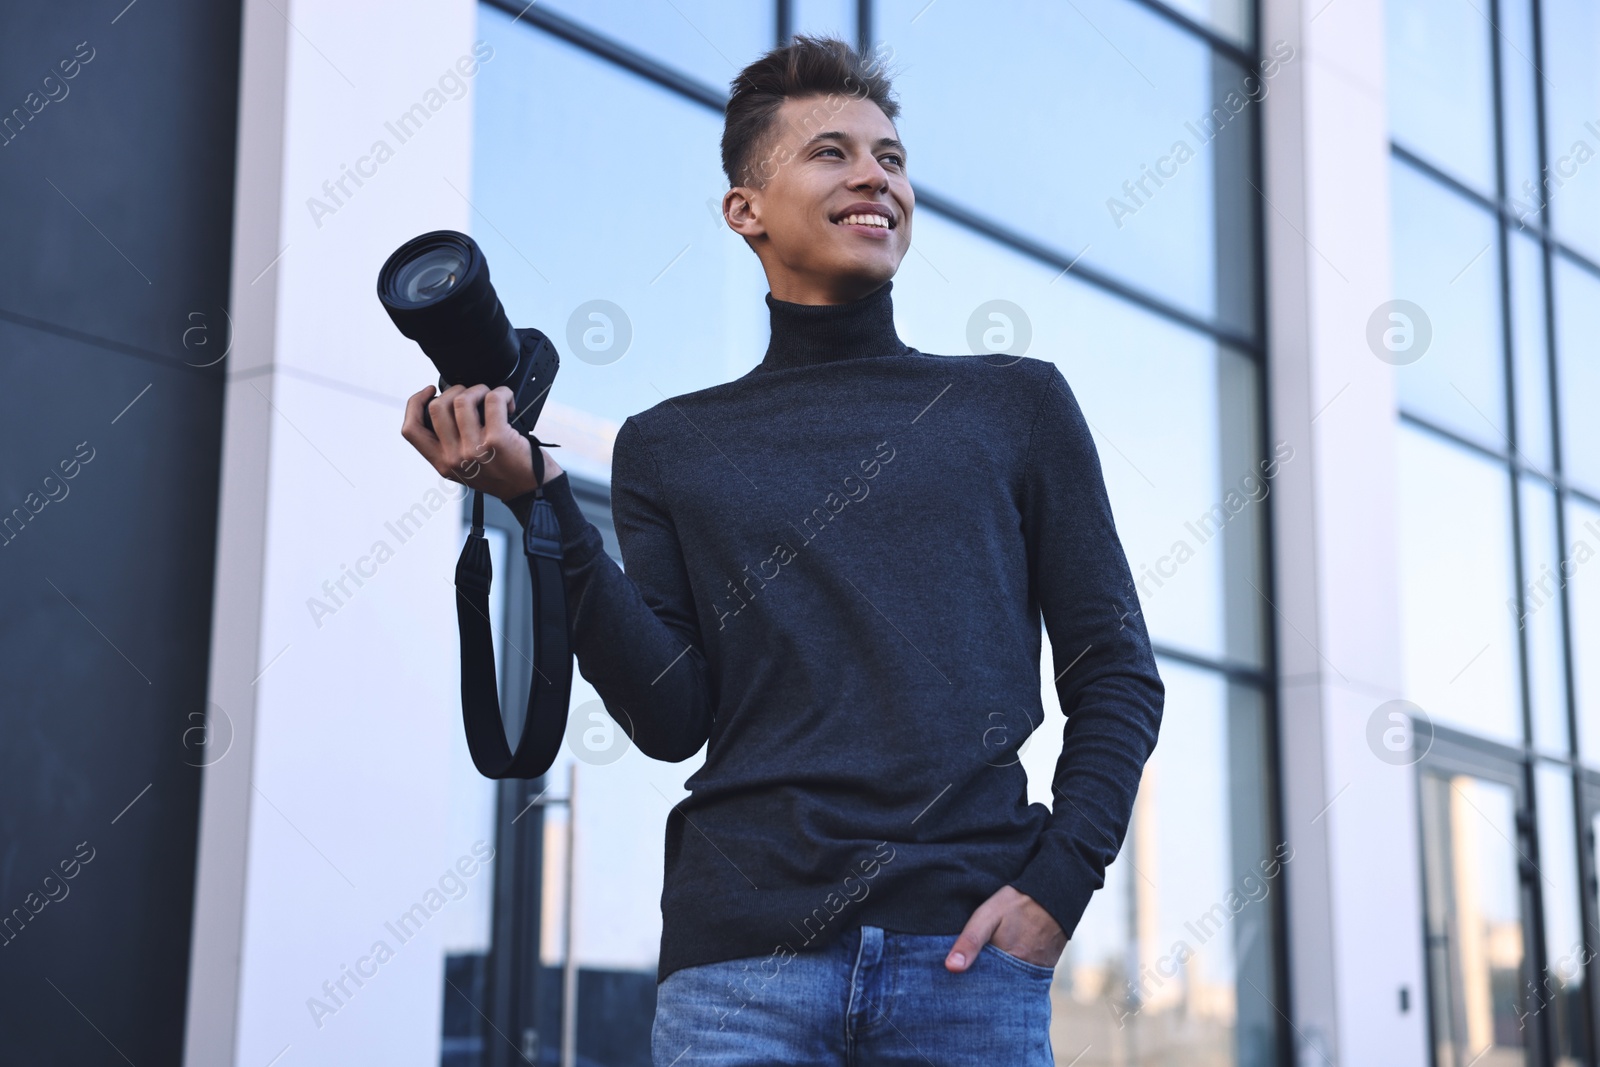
811	334
833	289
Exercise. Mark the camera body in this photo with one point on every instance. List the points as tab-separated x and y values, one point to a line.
529	380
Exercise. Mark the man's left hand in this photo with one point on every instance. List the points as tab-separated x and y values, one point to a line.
1015	923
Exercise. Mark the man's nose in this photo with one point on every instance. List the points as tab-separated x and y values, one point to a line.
872	177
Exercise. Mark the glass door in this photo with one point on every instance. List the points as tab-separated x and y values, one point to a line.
1477	873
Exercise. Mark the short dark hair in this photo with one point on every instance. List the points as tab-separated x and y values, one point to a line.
806	66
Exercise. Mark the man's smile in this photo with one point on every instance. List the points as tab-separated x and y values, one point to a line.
867	218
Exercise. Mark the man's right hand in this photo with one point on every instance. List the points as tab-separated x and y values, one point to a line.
485	454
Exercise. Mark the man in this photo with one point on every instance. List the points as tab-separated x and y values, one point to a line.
836	566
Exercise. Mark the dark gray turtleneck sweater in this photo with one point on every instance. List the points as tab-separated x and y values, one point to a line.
836	568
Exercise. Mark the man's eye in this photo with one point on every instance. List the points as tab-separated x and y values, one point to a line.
829	149
897	160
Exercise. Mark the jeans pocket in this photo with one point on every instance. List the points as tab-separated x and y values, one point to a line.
1034	970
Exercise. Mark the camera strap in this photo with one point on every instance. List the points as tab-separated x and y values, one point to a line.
550	689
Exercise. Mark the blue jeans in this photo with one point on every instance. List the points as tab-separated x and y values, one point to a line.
874	997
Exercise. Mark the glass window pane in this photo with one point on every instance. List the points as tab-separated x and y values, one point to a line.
1541	619
1231	18
1150	182
1518	74
1577	294
1455	567
687	292
835	18
1474	920
709	40
1582	572
1157	971
1560	993
1173	418
1440	86
1530	356
1445	261
1572	120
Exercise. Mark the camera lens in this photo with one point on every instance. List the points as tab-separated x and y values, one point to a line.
431	275
436	290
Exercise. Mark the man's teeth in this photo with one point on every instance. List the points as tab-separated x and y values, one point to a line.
864	220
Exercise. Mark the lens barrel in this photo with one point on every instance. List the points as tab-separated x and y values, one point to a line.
436	290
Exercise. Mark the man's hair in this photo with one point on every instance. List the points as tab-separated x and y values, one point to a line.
806	66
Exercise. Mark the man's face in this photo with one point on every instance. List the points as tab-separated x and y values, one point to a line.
828	159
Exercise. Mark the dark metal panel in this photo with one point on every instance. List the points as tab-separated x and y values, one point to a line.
119	190
118	183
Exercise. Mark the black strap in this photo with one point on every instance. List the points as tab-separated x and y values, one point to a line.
550	689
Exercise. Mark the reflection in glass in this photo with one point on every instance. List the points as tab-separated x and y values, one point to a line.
1474	921
709	40
1172	961
1440	87
1560	993
1577	302
1147	183
1173	419
1445	261
832	17
1541	616
1572	106
1581	567
1456	581
1530	354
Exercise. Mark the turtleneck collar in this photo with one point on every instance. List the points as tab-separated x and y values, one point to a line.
810	334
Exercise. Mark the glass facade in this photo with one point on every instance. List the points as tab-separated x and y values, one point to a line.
1126	253
1492	117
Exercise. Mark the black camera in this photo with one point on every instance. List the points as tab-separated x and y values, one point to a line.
436	290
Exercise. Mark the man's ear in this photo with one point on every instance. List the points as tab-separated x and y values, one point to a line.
740	212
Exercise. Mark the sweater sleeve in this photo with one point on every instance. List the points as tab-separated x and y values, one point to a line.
635	634
1104	668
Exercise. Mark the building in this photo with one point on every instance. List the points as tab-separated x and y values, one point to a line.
1324	275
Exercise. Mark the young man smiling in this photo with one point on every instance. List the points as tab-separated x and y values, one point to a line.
856	876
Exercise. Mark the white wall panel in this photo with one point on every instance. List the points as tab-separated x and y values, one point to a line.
328	818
